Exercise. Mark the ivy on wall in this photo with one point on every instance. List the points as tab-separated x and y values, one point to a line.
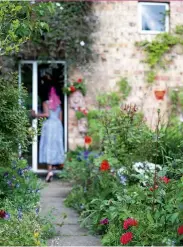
69	35
156	50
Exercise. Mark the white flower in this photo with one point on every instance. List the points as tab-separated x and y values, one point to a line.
58	4
141	168
82	43
61	8
121	171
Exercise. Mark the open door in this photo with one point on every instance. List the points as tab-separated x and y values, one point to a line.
30	75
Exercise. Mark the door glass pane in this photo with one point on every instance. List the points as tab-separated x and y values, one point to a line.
26	76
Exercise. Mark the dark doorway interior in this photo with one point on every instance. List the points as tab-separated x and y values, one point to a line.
49	75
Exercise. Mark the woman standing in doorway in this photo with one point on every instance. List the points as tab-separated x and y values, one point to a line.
51	149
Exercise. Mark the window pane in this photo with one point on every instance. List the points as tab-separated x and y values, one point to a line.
153	17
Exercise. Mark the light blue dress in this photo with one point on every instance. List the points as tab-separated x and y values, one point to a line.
51	148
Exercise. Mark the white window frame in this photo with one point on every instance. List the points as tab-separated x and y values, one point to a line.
140	17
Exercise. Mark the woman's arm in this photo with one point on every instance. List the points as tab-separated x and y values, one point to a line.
44	114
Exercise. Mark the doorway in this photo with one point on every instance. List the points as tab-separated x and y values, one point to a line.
32	76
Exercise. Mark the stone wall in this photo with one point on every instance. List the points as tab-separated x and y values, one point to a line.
118	57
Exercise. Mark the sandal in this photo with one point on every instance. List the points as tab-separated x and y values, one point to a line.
49	177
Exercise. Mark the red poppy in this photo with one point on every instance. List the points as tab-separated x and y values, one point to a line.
152	188
88	140
2	214
72	88
129	222
104	166
126	238
180	230
165	179
79	80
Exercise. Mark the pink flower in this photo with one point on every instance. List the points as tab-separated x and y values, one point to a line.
126	238
80	80
129	222
180	230
104	221
165	179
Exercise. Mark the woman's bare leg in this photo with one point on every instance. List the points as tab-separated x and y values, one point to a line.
49	168
50	174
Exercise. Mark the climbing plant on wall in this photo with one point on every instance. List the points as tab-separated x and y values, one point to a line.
156	50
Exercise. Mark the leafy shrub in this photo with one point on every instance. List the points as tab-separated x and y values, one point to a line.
14	121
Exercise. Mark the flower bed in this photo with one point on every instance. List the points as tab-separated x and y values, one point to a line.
20	222
130	191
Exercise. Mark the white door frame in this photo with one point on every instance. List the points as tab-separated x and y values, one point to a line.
35	106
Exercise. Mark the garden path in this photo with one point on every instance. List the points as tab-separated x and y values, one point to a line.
70	233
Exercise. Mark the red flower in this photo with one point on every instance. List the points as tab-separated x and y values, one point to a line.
85	112
152	188
104	166
2	214
129	222
180	230
126	238
165	180
79	80
72	88
88	140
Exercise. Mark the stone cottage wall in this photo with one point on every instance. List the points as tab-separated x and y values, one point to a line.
118	57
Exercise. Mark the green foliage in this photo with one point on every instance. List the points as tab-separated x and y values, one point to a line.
108	99
69	34
151	76
125	88
20	21
179	29
80	114
13	121
156	49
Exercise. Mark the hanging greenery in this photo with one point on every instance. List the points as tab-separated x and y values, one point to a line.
155	50
69	36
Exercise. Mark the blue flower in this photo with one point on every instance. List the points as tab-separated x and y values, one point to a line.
20	172
37	191
9	182
37	210
7	216
123	180
6	174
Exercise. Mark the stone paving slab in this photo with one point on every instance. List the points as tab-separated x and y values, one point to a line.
75	241
70	233
71	230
